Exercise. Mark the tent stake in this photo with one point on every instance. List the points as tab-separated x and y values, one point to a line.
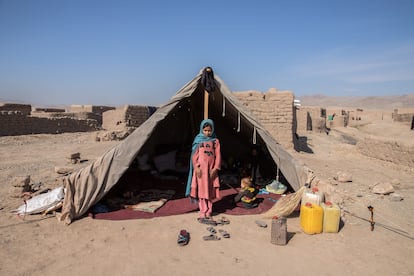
371	209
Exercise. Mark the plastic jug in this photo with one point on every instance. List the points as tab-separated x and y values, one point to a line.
331	217
311	218
313	196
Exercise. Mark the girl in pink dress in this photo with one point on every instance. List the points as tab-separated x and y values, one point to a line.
203	181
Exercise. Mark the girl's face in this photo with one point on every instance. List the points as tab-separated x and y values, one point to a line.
207	131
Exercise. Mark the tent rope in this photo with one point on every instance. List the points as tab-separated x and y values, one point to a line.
399	230
254	135
224	107
238	121
278	169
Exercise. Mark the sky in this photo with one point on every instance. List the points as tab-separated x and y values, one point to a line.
117	52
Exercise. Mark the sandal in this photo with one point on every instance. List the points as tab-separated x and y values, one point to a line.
211	237
223	221
224	233
211	230
207	221
183	237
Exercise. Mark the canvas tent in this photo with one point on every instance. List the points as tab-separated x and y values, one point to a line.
176	123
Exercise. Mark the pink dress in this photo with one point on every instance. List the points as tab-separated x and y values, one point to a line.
207	157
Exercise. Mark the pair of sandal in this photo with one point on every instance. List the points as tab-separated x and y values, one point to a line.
213	236
223	221
210	221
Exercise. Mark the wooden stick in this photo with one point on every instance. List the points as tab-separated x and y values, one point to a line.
205	104
228	185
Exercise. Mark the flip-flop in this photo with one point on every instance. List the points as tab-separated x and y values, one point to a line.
224	233
211	237
261	223
183	237
211	230
223	221
207	221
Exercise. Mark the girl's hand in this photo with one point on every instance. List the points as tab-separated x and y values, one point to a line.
213	173
198	172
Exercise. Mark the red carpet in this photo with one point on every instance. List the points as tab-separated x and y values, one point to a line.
172	207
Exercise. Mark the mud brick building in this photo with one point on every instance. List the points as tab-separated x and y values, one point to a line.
275	111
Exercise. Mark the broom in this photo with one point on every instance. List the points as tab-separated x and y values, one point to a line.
285	205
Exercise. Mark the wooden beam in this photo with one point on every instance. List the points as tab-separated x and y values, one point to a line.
206	104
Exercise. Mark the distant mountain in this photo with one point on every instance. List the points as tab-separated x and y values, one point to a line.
371	102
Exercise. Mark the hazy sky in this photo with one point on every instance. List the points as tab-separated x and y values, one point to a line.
115	52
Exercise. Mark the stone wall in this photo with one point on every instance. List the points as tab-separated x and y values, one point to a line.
275	111
16	123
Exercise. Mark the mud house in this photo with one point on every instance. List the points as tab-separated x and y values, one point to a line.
275	110
310	118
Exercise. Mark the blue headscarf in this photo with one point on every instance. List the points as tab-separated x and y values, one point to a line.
200	138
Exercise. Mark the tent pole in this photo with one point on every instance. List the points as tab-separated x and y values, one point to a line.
205	104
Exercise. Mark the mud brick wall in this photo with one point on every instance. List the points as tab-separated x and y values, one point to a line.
275	111
403	114
24	109
356	116
313	114
136	115
113	119
97	109
47	109
90	111
387	150
403	117
125	117
77	115
15	123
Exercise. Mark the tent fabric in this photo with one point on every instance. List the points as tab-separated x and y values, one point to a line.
181	114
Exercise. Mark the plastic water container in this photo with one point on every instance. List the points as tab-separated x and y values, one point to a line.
313	196
311	218
331	217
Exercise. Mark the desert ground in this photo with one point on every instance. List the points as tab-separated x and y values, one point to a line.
41	245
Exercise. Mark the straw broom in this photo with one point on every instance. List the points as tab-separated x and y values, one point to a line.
285	205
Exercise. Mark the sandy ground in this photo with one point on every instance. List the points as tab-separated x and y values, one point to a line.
44	246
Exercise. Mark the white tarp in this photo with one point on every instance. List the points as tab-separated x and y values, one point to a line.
42	202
